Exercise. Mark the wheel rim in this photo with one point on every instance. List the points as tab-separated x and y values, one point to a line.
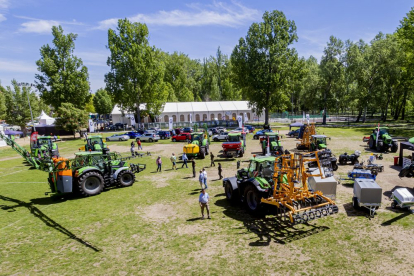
127	178
92	183
251	200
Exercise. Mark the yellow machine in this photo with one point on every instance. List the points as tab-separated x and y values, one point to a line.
291	194
305	135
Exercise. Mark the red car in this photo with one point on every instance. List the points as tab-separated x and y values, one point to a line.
181	137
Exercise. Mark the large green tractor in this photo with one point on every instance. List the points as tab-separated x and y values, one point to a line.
44	147
198	146
95	143
90	172
318	142
384	143
274	144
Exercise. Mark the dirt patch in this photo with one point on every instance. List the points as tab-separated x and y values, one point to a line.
161	213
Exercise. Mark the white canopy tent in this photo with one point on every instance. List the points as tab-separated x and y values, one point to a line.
44	119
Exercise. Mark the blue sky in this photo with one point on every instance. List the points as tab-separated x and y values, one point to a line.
195	28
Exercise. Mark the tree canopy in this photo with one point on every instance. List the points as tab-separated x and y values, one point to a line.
102	102
71	118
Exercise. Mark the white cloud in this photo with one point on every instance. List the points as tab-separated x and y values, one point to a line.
17	66
38	26
93	58
2	18
4	4
216	14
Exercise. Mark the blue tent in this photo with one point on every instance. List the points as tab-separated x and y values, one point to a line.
295	125
12	132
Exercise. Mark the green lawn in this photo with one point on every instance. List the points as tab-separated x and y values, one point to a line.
153	228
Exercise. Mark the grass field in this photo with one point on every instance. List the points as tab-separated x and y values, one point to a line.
154	227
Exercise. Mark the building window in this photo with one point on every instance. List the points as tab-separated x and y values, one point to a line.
165	119
197	117
212	117
248	115
219	116
181	118
204	117
174	118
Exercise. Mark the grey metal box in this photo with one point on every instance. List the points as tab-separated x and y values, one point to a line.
367	191
326	185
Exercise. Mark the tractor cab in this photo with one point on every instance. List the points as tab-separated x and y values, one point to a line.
234	137
198	146
44	146
318	142
274	143
260	168
95	143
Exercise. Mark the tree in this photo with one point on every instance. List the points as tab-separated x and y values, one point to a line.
136	69
2	102
18	110
89	106
102	102
71	118
264	63
63	78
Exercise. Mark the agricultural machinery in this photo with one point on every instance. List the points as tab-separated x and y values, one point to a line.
305	135
198	146
383	142
407	171
353	158
95	143
279	185
327	161
373	168
235	145
90	172
272	140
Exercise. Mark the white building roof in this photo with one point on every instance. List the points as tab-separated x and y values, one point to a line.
117	109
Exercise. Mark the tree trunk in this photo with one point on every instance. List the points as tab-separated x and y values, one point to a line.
365	113
404	104
359	115
266	116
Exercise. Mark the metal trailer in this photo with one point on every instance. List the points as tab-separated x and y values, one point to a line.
402	198
358	173
367	194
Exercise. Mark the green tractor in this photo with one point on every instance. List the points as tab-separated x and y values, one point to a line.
95	143
90	172
198	146
274	144
252	183
384	143
318	142
44	147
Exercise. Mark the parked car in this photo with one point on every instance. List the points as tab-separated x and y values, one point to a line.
181	137
117	137
178	131
260	133
149	137
133	134
250	128
221	136
241	129
221	129
110	127
214	131
119	126
188	129
164	134
294	133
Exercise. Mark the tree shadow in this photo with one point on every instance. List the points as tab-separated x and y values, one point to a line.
45	219
268	229
391	221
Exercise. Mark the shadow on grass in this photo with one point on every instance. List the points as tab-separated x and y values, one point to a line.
391	221
268	229
45	219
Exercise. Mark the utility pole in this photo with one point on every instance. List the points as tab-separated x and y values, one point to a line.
25	84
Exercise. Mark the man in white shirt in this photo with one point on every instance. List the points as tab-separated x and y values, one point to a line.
205	178
203	200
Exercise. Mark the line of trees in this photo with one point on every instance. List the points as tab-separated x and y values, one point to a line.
264	68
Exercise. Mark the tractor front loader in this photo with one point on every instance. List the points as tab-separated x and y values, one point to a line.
291	195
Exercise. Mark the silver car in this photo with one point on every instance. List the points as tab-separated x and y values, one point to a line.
150	137
117	137
221	136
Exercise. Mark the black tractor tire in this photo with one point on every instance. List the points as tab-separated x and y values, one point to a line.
380	146
335	167
394	146
216	139
90	184
371	142
126	178
264	151
374	172
150	140
231	194
342	161
207	149
174	140
255	137
393	204
241	153
202	154
120	139
355	161
252	200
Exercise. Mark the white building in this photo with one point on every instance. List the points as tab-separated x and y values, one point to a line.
200	111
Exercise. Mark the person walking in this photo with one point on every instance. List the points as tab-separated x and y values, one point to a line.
159	163
193	165
173	161
205	178
200	179
132	148
139	144
220	171
212	160
203	200
185	159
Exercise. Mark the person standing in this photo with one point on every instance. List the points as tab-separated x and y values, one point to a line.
139	144
205	178
159	163
185	159
220	171
200	179
173	161
212	160
132	148
203	200
193	165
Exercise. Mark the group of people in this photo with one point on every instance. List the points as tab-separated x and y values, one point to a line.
133	146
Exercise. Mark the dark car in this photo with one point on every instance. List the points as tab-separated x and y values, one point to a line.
110	127
214	131
188	129
294	133
250	128
133	134
164	134
119	126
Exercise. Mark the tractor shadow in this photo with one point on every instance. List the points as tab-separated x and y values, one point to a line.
268	229
44	218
